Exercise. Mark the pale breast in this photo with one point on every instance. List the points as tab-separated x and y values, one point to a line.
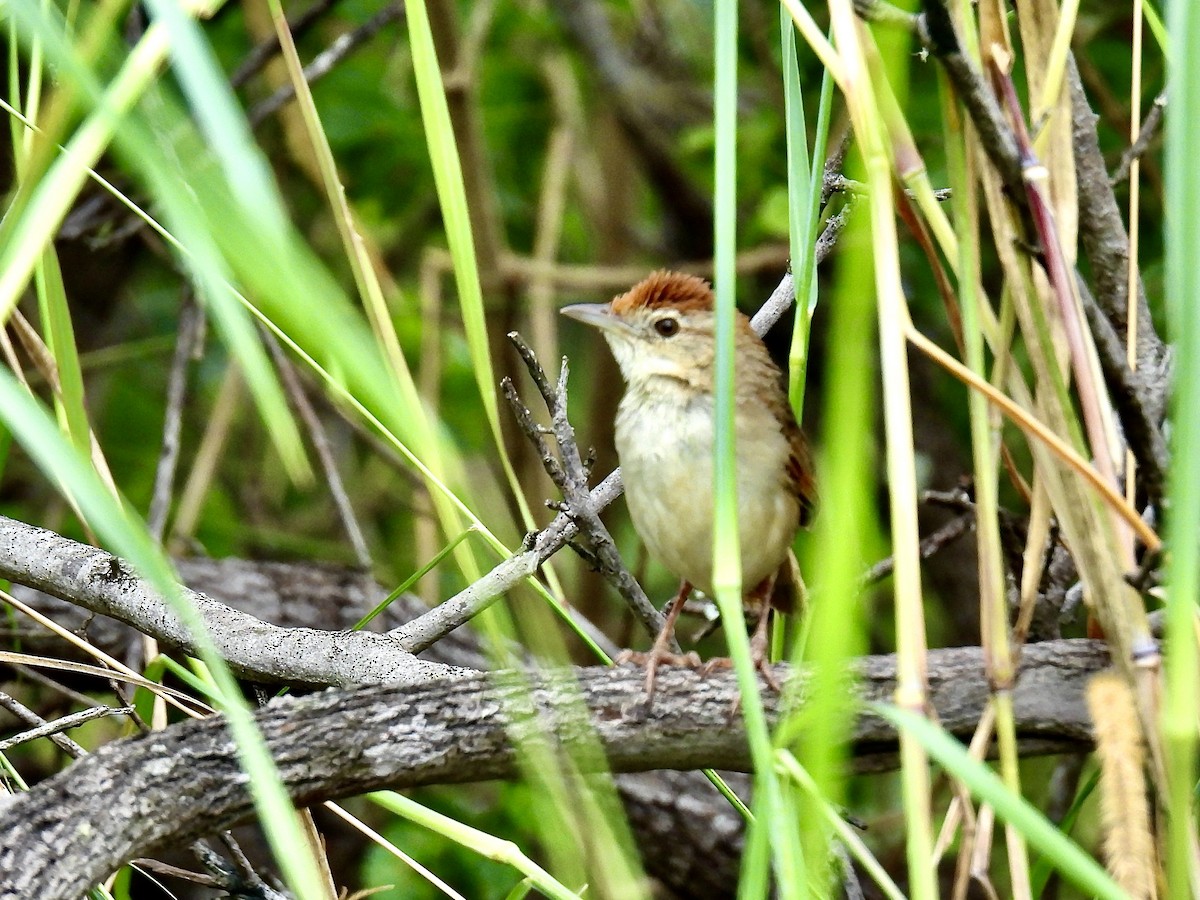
666	452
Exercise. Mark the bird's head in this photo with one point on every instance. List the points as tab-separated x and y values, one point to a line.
662	327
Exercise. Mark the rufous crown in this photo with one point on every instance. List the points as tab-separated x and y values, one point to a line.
664	289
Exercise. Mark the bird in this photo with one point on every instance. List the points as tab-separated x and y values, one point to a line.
662	333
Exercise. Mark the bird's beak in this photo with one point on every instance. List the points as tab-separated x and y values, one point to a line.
598	315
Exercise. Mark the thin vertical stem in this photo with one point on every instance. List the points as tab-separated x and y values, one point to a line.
727	574
901	464
1135	171
1183	520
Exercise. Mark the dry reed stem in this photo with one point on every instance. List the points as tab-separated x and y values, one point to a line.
1124	812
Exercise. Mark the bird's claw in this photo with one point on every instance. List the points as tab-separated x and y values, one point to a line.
761	665
691	659
652	659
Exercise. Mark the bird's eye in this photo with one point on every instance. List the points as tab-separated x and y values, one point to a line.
667	327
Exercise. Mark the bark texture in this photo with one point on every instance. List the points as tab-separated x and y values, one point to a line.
133	797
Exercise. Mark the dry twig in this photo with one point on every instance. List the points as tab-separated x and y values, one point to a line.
570	476
191	334
324	62
1146	134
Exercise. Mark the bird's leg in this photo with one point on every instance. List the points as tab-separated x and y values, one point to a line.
759	641
758	649
759	598
660	653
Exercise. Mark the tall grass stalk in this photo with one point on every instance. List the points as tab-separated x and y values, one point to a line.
567	804
985	443
727	575
832	634
846	530
128	537
1134	220
901	467
58	331
452	197
845	527
816	800
1182	291
441	459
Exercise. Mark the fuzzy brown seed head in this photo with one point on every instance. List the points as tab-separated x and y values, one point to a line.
666	290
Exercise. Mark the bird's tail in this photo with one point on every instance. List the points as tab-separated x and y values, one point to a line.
789	595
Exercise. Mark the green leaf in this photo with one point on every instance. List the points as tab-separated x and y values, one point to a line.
1075	865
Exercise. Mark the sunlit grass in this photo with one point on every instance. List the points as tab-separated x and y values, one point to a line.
1182	289
224	221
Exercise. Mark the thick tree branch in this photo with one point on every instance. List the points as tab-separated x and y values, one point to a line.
134	797
1105	241
254	649
689	836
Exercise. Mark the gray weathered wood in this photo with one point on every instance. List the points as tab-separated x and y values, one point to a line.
134	797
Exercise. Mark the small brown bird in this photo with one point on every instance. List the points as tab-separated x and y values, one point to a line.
662	333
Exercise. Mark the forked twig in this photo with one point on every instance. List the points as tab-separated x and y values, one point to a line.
570	476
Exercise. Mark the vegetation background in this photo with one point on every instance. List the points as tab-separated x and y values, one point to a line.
320	309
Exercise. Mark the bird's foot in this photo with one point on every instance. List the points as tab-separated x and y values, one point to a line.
691	659
762	666
652	659
661	652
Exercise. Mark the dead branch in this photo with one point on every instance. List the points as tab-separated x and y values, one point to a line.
133	797
1146	135
570	475
254	649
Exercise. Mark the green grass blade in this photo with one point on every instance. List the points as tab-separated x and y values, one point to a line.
1157	27
805	177
413	579
481	842
127	536
1070	860
452	196
727	575
25	235
59	335
1044	866
1182	291
219	116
